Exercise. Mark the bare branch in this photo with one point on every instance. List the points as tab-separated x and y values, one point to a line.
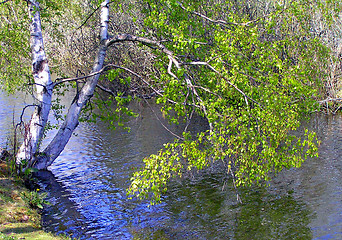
46	88
229	82
23	112
330	100
209	19
64	80
89	16
166	128
107	90
225	23
131	38
169	69
207	90
188	120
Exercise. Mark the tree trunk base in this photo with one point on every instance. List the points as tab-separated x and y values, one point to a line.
5	155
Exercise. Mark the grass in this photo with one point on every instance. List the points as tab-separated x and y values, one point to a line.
17	219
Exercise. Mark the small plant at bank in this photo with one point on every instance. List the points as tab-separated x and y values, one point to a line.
34	199
5	237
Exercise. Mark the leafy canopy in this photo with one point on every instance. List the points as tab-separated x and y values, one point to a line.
252	69
251	73
15	53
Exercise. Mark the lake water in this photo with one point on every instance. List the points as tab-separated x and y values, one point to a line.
87	184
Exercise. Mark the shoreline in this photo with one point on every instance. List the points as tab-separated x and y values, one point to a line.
20	213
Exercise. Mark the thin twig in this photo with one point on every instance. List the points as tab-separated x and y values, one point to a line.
22	113
132	38
107	90
234	184
337	109
225	23
330	100
172	60
166	128
188	120
89	16
230	83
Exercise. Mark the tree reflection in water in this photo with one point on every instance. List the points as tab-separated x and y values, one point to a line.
199	209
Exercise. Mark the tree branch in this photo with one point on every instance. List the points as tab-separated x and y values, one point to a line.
166	128
172	60
22	114
89	16
107	90
330	100
229	82
131	38
225	23
209	19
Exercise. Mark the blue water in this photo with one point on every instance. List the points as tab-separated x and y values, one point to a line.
87	183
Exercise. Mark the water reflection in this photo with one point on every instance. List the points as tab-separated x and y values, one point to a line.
9	115
192	209
201	210
267	216
95	168
87	190
97	164
61	207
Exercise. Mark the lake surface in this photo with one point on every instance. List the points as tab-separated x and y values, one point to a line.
87	184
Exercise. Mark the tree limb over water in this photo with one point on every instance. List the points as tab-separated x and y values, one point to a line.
251	80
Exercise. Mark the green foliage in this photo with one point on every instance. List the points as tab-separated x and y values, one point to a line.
14	45
112	109
15	60
251	71
261	76
6	237
34	199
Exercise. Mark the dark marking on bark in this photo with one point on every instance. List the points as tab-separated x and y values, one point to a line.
39	66
39	125
34	26
39	109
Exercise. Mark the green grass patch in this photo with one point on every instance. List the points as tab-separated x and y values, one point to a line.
19	216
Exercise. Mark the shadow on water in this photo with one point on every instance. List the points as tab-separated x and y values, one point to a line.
60	207
201	208
87	185
87	192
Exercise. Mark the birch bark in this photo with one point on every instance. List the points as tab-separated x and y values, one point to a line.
43	85
63	135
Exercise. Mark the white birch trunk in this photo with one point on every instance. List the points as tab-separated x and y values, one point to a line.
63	135
43	85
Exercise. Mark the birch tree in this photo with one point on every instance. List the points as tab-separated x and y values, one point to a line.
44	87
250	73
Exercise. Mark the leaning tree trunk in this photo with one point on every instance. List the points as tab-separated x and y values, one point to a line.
43	84
63	135
29	150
